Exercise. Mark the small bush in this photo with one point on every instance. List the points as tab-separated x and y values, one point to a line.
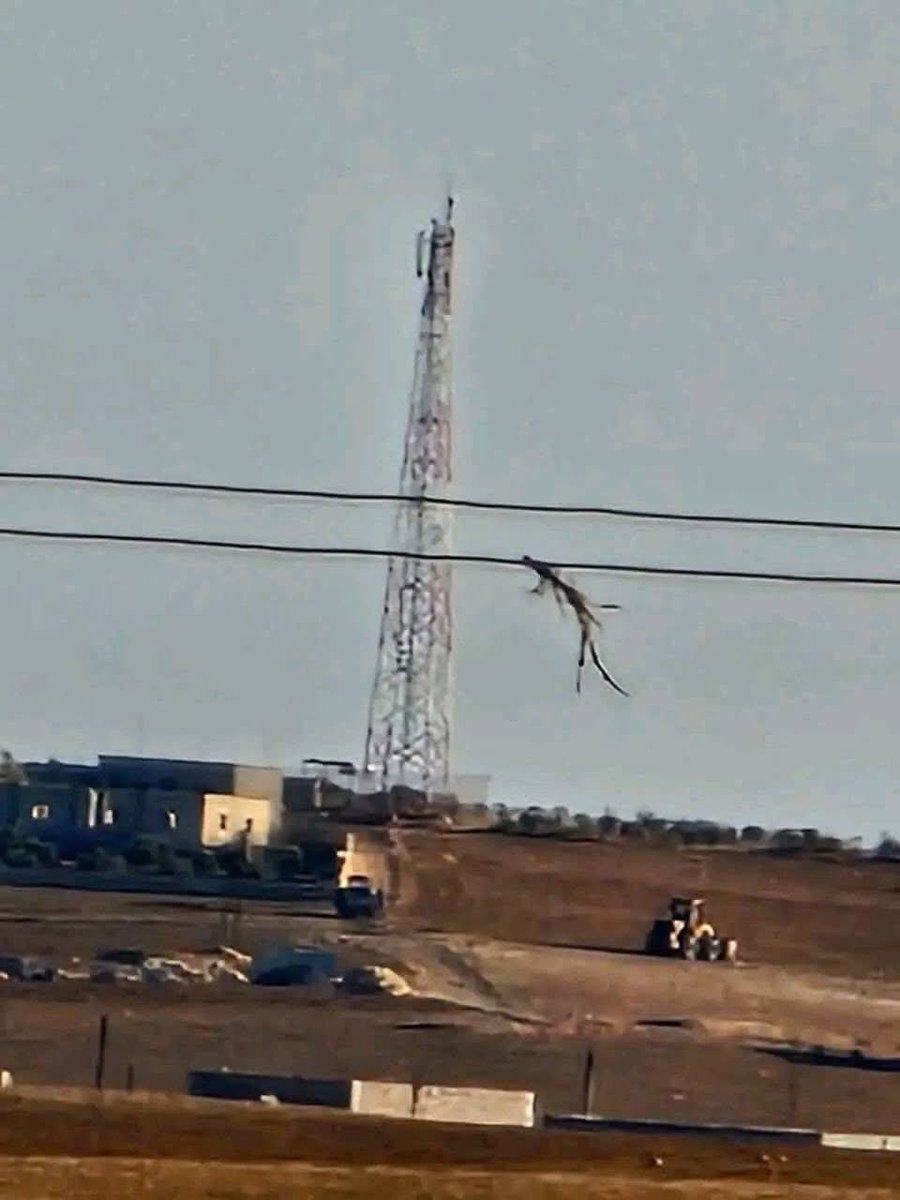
19	857
183	866
166	860
788	841
46	854
9	839
753	835
584	827
143	852
829	845
289	863
98	858
609	825
205	864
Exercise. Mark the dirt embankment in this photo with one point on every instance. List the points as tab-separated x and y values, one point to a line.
134	1135
838	917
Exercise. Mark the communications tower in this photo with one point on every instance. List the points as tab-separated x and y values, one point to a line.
408	736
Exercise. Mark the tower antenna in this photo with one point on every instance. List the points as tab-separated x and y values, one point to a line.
408	735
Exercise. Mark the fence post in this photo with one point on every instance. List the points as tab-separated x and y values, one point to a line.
101	1054
792	1082
587	1084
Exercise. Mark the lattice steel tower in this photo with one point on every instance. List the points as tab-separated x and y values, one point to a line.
408	738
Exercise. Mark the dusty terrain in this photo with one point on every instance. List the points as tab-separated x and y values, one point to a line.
520	956
838	917
55	1147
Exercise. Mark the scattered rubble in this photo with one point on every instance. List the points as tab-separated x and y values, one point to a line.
369	981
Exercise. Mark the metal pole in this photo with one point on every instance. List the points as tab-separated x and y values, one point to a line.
101	1053
792	1082
587	1086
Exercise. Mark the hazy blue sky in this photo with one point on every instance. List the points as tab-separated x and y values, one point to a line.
678	286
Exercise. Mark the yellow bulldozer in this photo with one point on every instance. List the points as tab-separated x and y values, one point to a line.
686	933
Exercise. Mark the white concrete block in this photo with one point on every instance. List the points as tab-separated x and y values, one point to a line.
6	1079
475	1106
378	1098
860	1141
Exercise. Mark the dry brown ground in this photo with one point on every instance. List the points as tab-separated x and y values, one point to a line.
840	917
50	1038
69	1146
824	917
156	1179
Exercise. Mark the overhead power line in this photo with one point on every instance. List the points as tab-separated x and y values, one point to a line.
574	510
495	560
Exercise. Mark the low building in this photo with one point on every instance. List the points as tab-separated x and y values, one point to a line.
187	820
46	812
201	779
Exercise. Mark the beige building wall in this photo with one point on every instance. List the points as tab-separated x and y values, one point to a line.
224	817
262	783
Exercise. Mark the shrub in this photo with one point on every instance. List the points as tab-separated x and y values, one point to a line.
728	835
205	864
289	863
143	852
584	826
504	819
829	845
46	854
655	827
609	825
533	822
166	859
183	865
633	830
754	835
888	847
9	838
18	856
95	859
788	841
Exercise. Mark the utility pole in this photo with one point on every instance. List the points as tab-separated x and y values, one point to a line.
408	735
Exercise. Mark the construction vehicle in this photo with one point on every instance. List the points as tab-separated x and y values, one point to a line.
358	898
686	933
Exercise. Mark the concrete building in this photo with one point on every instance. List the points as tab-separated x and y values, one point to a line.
77	817
188	803
187	820
211	802
47	812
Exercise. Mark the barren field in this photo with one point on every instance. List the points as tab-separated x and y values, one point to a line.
72	1146
520	957
838	917
162	1179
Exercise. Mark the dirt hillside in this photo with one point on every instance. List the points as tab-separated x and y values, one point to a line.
839	917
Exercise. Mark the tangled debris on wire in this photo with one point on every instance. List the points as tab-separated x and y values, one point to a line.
567	594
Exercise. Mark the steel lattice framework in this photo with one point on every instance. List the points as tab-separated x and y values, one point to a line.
408	737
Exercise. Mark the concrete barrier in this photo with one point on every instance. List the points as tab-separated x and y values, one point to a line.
381	1099
767	1133
287	1089
474	1106
861	1141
